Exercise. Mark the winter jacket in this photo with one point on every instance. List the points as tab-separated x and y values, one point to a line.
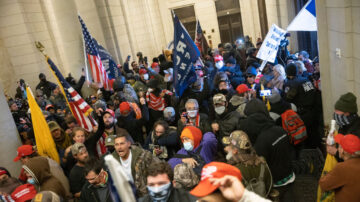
39	169
344	179
46	87
353	128
133	125
204	124
301	92
176	195
269	140
58	100
239	103
140	86
208	151
236	77
90	194
168	142
141	159
228	122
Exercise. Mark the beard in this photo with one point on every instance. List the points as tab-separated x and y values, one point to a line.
110	125
83	161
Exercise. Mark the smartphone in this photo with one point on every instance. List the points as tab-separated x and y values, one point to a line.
128	57
265	93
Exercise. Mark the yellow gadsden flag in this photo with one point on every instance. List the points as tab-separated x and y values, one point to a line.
44	141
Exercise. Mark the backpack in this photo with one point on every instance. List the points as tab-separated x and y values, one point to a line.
257	185
196	156
294	126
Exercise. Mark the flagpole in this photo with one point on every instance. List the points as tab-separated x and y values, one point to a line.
85	62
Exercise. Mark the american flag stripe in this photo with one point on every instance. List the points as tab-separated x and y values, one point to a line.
78	100
79	108
98	71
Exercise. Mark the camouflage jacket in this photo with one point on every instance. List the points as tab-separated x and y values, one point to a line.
141	159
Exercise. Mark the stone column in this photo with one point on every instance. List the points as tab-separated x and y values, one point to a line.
339	41
9	136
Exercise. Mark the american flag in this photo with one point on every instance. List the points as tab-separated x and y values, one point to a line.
79	108
200	39
98	71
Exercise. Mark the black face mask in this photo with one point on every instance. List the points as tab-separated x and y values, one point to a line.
224	91
43	79
343	120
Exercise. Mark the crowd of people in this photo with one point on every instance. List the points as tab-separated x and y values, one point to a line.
236	134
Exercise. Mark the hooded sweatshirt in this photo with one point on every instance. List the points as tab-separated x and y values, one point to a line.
39	169
208	151
269	140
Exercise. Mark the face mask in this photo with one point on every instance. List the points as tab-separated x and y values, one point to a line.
161	193
31	181
343	120
146	77
192	113
223	91
220	110
150	90
229	155
219	64
188	146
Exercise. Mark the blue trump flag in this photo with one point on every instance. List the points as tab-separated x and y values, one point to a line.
185	55
108	62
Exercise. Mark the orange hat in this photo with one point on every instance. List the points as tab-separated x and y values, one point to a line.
193	133
213	170
124	108
350	143
24	150
242	88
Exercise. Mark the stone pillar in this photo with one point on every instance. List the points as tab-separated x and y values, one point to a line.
250	19
9	136
338	31
281	13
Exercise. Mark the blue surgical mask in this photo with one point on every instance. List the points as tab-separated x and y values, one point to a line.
160	193
31	181
188	146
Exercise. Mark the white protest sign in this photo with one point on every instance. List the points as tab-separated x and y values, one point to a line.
271	44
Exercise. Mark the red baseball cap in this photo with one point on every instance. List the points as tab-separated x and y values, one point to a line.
213	170
350	143
3	172
218	58
124	108
24	150
49	106
154	64
111	112
24	193
242	88
142	71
